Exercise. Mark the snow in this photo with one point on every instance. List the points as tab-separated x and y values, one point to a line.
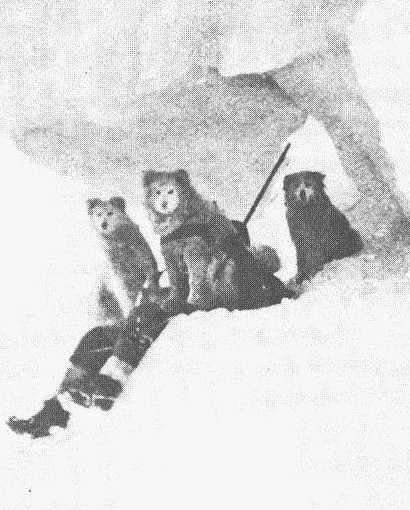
66	55
379	42
302	405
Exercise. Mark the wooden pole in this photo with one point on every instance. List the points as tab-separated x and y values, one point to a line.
265	186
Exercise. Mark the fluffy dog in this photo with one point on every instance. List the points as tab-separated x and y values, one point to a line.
191	261
207	263
128	260
319	231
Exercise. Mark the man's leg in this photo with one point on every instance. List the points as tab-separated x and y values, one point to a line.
93	350
143	326
95	347
101	363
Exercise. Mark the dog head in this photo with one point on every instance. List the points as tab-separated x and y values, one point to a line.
107	215
166	192
303	187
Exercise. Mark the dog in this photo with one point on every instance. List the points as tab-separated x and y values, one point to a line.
319	231
129	263
207	260
191	261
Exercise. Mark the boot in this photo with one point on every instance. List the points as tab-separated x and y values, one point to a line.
51	415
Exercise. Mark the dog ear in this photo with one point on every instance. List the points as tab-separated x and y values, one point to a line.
182	176
91	203
148	177
118	203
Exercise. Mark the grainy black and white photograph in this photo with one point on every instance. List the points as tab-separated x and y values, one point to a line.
205	254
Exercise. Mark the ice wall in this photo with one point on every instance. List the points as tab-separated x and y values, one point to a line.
77	54
379	41
69	59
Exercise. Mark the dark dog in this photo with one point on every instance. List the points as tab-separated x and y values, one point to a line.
319	231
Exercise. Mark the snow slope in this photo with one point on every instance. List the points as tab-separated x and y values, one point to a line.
303	405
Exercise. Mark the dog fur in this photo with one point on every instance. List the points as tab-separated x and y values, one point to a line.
207	271
129	263
200	273
267	256
319	231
